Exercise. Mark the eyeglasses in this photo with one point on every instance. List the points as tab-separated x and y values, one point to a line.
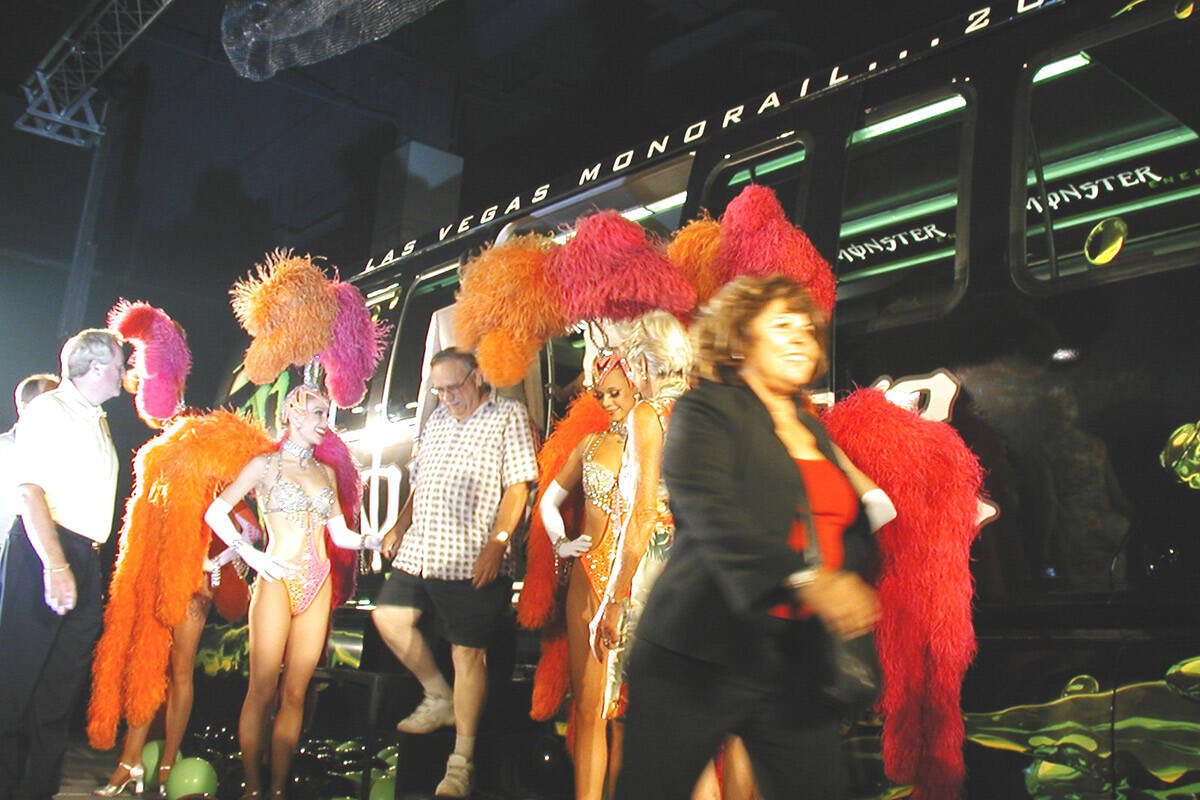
438	391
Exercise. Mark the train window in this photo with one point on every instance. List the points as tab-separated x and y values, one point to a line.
1113	130
898	253
781	164
428	294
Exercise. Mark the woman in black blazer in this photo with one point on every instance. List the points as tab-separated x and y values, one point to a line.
734	635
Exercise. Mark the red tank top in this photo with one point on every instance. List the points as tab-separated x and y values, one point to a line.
834	507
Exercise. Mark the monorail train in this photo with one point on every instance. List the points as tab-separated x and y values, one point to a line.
1011	202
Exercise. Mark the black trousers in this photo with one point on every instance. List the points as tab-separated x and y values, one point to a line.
44	659
682	708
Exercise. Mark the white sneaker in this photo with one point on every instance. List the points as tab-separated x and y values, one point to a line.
458	779
434	712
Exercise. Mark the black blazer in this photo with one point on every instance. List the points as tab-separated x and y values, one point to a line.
734	492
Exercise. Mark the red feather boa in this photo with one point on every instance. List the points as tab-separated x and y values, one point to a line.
925	636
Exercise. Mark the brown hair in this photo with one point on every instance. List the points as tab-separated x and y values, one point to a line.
721	334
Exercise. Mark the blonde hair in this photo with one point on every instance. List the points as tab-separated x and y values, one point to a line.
662	340
92	344
721	333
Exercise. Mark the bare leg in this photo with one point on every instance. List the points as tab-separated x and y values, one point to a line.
270	621
707	788
616	745
737	776
305	644
470	690
185	638
398	628
587	688
131	753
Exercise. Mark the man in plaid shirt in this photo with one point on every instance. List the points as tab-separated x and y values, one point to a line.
470	484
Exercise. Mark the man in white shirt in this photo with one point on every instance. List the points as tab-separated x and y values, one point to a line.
50	583
26	390
471	480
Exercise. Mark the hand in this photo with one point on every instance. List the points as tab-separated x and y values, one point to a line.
372	542
391	543
487	565
570	548
605	628
844	602
60	590
268	567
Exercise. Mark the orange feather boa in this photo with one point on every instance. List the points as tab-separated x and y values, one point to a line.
163	542
540	605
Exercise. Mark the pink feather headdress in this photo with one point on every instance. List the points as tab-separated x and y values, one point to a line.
161	359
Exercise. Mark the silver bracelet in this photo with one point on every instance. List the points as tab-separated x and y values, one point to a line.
52	570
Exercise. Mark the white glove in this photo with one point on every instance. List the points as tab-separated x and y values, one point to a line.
347	539
552	521
268	567
879	508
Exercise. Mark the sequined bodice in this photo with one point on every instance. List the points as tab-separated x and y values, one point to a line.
599	481
288	497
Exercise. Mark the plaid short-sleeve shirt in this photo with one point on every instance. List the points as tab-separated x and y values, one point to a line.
460	473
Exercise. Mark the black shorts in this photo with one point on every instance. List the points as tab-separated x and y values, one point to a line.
466	616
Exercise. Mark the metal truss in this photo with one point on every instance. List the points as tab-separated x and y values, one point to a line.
61	96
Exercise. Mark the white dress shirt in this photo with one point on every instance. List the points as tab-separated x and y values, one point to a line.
63	446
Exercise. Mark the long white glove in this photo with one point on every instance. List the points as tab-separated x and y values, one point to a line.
347	539
879	508
267	566
556	529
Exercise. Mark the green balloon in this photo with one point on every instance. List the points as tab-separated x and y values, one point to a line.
151	754
384	788
191	776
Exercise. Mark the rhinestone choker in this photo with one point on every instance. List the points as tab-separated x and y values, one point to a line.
300	452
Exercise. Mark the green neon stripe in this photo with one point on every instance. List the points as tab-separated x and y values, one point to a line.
909	118
767	167
1062	67
886	218
894	266
1118	152
1114	211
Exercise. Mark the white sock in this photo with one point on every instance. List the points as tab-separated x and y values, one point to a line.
464	746
437	686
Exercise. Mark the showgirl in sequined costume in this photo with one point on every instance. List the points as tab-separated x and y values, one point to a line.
657	347
593	464
290	605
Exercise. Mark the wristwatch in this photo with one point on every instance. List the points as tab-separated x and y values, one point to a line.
502	536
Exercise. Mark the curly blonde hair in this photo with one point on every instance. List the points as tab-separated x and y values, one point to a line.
661	338
721	332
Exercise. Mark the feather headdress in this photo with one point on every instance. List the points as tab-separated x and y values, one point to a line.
758	239
161	359
356	344
612	270
507	306
288	309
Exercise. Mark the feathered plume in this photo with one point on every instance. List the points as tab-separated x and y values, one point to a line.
507	306
757	239
693	250
289	311
610	270
925	637
161	358
333	452
356	344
